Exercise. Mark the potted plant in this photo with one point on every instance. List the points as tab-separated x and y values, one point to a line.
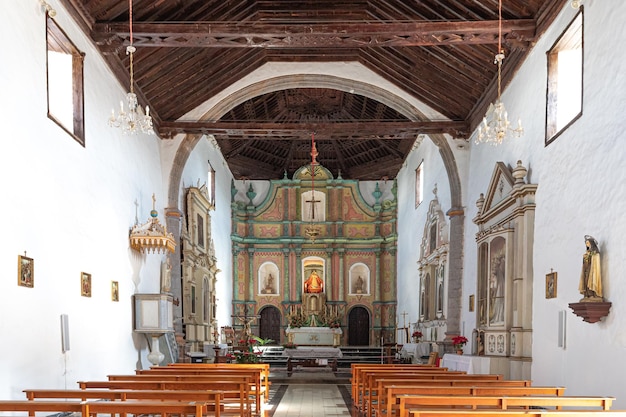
459	342
417	335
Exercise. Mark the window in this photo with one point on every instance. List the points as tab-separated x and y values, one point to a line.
65	81
211	185
564	103
419	184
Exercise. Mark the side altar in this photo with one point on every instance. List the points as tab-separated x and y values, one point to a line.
314	336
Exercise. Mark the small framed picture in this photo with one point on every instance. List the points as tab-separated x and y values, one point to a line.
25	271
551	285
115	291
471	302
85	284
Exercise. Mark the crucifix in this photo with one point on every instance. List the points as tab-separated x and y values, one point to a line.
246	320
313	201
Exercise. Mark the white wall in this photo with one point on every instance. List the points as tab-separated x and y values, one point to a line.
70	208
196	169
580	192
411	220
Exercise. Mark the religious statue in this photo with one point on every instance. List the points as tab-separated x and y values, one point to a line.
590	278
269	285
358	285
166	275
314	283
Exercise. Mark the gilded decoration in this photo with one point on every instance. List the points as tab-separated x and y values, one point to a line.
314	277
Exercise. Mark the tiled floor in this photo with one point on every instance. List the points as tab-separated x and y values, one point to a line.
308	400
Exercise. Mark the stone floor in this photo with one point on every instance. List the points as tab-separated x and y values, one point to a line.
309	392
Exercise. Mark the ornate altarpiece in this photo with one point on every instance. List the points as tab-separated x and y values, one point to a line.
433	274
199	271
506	222
333	231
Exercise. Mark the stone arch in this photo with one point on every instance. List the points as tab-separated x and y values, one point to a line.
402	105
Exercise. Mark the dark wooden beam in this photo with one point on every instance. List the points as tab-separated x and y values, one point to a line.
331	130
336	35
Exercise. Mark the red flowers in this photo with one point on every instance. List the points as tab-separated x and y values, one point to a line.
459	341
417	334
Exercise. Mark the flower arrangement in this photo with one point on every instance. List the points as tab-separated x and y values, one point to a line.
417	335
459	341
246	353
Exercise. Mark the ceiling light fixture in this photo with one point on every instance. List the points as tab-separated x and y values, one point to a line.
496	126
133	121
576	4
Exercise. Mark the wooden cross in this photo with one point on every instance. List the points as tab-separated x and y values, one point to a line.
246	320
312	201
404	314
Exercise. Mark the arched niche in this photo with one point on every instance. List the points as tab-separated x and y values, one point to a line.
359	279
268	279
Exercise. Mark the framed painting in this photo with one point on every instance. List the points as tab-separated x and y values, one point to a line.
115	291
85	284
471	302
551	282
25	271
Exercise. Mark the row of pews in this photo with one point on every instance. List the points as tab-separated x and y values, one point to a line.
401	390
199	390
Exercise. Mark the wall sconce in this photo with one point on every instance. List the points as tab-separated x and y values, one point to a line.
153	316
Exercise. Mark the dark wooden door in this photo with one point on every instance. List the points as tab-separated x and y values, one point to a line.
269	325
358	327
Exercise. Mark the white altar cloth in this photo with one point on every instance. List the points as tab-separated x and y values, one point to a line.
415	350
313	352
314	336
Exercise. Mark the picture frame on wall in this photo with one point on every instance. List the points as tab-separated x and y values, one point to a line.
551	282
115	291
85	284
25	271
471	302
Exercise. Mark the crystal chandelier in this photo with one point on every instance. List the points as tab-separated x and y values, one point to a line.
133	121
495	126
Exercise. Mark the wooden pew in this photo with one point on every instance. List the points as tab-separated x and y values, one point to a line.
390	393
87	408
259	371
250	377
212	399
241	388
375	380
356	370
421	402
360	372
32	407
517	413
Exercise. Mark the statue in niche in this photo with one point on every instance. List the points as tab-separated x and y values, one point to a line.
496	290
358	285
269	285
166	275
314	283
590	278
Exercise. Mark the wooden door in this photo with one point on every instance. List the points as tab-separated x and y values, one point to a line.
269	325
359	327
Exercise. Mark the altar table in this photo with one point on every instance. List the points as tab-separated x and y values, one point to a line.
415	351
314	336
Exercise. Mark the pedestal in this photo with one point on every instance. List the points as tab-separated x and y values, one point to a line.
591	312
155	356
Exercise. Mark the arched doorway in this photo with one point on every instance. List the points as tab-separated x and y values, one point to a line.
359	327
269	324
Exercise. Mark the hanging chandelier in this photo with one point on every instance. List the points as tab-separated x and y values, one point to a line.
495	126
131	122
312	230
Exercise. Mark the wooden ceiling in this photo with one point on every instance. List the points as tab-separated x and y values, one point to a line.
439	51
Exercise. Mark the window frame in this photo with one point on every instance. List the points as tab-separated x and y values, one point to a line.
419	184
566	41
58	41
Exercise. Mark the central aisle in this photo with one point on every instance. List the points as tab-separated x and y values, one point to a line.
308	400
